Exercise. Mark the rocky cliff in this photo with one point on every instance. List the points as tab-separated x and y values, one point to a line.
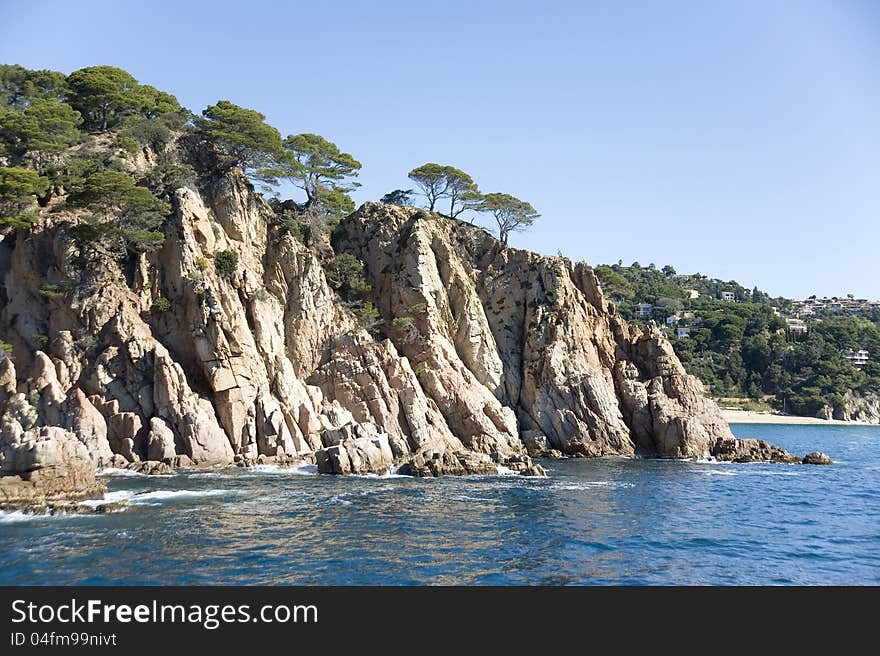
854	406
485	356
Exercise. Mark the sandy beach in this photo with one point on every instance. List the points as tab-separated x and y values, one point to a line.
751	417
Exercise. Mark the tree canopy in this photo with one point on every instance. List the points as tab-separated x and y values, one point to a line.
441	181
20	86
102	94
19	189
45	126
241	134
461	190
312	162
398	197
511	214
122	215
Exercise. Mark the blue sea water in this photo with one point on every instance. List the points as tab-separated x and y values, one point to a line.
603	521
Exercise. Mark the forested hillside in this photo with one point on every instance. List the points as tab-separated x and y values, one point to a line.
744	347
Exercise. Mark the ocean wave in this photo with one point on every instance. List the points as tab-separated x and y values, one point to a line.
109	497
18	516
169	495
302	469
505	471
587	485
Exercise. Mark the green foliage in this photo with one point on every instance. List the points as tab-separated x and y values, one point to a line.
201	264
398	197
161	305
418	308
126	144
146	131
43	126
55	291
613	283
102	94
743	349
511	214
241	135
40	340
19	86
344	272
368	316
314	165
19	189
226	263
165	177
440	181
122	215
5	349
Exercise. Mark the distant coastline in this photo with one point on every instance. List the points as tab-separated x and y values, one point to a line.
752	417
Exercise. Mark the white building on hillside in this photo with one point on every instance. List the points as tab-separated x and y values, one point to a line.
796	325
728	296
857	358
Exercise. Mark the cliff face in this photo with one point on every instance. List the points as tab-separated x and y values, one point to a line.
522	351
493	354
854	406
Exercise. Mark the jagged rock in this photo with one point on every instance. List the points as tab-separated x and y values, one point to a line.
750	450
817	458
160	441
360	455
151	467
431	462
46	463
85	421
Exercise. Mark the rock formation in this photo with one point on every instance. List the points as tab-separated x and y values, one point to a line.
487	356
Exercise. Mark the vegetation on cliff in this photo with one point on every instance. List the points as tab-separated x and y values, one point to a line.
743	347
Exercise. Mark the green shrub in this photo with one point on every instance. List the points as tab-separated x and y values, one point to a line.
367	315
418	308
161	305
201	264
226	263
40	339
56	291
127	144
5	349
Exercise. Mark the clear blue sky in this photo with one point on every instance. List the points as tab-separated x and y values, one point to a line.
737	139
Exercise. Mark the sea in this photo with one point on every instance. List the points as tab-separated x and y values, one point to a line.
607	521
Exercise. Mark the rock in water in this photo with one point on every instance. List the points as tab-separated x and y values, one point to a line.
817	458
46	464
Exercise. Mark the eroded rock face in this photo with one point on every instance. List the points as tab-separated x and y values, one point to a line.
488	355
520	351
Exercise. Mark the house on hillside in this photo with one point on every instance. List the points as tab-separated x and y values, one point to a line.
644	310
692	293
858	358
728	296
796	325
683	332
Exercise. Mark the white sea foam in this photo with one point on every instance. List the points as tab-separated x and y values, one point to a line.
116	471
391	473
302	469
109	497
505	471
168	495
17	516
